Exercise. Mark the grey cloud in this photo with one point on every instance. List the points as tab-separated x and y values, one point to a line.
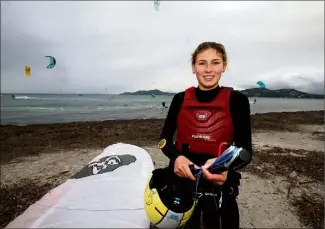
302	82
310	82
126	46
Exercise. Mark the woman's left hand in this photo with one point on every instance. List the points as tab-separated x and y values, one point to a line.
217	179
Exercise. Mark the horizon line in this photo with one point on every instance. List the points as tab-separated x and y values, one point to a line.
99	93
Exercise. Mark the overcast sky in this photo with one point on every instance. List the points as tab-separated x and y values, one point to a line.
112	47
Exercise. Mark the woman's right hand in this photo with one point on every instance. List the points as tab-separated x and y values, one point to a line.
182	167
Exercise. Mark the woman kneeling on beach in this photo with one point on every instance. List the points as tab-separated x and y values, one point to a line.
205	117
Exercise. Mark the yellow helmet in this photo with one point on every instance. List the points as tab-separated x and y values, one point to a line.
168	199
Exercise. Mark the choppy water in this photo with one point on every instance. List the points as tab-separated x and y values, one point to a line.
42	108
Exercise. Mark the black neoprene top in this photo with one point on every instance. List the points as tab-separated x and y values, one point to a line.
240	114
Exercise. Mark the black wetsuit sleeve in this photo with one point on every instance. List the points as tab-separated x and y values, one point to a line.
241	118
170	126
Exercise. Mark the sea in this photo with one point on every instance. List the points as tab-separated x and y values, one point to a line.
60	108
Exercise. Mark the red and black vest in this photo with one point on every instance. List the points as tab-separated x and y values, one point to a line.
203	127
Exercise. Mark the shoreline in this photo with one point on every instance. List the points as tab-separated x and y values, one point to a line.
95	122
34	139
140	119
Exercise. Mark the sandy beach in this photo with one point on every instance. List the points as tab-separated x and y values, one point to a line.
282	188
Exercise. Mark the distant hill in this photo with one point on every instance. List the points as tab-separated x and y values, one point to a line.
252	92
142	92
279	93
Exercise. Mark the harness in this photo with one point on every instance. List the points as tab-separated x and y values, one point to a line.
203	127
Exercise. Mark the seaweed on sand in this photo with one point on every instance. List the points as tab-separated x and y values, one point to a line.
16	198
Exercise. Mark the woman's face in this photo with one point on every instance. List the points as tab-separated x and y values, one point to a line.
208	68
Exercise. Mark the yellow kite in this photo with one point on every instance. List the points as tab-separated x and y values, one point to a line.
27	70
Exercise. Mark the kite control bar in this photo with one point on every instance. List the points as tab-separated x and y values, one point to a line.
232	158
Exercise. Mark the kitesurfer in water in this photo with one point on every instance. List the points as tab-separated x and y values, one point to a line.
164	105
198	143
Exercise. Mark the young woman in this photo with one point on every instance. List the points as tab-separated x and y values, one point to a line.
205	117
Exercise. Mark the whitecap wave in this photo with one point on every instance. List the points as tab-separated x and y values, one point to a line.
46	108
25	97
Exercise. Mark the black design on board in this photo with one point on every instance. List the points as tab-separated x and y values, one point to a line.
104	165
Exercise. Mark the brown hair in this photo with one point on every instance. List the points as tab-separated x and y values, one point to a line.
210	45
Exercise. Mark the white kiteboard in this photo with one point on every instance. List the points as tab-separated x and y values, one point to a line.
106	193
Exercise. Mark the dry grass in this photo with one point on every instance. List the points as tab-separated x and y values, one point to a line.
16	198
287	121
27	140
278	161
305	168
310	208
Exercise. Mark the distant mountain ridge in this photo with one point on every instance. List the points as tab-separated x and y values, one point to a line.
149	92
280	93
252	92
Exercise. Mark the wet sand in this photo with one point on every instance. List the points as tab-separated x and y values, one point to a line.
283	187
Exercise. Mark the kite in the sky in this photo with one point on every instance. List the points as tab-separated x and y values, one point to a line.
156	4
261	84
27	70
52	62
